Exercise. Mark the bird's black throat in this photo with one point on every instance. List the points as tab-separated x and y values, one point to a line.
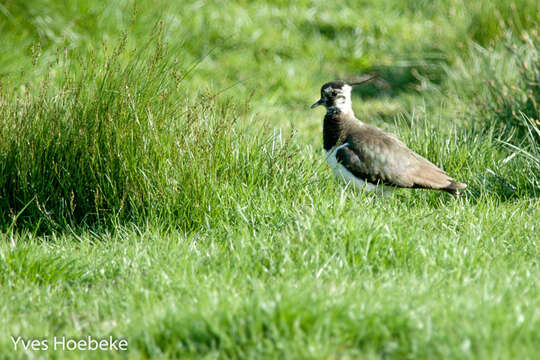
333	127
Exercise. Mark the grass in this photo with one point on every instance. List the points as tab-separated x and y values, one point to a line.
162	180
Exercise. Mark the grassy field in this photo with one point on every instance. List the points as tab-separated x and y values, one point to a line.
162	179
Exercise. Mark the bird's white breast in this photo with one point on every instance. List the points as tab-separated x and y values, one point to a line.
342	173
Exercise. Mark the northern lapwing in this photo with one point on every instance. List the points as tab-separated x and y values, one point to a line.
367	156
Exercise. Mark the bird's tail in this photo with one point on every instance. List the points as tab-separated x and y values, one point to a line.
454	187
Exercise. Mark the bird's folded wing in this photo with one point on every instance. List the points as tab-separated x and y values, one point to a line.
386	160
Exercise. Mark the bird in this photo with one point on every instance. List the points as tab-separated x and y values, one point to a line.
369	157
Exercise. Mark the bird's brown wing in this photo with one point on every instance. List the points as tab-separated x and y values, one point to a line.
381	158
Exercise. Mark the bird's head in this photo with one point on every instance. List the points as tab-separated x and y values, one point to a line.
336	95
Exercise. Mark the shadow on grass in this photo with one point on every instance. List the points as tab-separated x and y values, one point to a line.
326	29
393	80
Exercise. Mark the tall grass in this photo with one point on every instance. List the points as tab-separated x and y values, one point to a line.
493	95
124	140
515	103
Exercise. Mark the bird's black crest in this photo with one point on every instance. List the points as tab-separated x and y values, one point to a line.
334	85
337	84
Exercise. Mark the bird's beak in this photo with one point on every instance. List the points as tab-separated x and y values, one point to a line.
320	102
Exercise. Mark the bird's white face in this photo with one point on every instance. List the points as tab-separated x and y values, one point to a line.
340	98
336	98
